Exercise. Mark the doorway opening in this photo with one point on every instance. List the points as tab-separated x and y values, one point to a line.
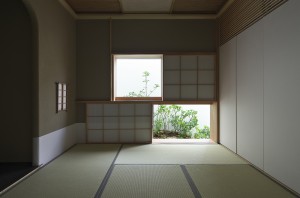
188	123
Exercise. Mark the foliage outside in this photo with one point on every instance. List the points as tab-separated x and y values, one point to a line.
145	92
174	122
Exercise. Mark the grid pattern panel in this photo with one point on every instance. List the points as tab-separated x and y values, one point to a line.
189	77
119	123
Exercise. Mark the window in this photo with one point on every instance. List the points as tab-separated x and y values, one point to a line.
138	77
61	95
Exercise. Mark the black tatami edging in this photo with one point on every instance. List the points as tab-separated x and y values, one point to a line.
107	176
183	168
112	166
190	181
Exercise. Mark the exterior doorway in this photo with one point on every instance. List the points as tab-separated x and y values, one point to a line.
178	123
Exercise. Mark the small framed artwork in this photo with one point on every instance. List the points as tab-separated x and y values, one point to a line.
61	97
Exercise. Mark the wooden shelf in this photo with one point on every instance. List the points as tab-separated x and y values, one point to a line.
187	84
174	101
189	69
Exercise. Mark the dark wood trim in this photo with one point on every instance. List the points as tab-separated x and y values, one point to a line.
86	125
112	62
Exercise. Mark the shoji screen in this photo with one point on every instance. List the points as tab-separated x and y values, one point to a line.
189	77
119	123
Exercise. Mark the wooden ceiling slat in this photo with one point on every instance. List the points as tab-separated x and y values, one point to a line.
242	14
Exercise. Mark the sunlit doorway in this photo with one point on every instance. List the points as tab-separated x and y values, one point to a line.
178	123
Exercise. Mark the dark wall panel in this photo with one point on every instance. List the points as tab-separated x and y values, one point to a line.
163	35
93	60
136	36
16	62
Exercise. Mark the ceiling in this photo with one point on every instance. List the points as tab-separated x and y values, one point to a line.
178	7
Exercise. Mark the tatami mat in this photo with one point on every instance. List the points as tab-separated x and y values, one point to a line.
148	171
77	173
234	181
147	181
177	154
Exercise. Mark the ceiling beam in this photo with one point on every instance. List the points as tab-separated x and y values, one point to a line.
121	5
172	6
224	8
68	8
146	16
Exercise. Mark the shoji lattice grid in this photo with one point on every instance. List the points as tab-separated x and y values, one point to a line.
119	123
189	77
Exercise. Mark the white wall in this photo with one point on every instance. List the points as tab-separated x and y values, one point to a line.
267	95
250	94
49	146
228	94
282	94
55	34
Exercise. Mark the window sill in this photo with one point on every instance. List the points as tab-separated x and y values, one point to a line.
138	98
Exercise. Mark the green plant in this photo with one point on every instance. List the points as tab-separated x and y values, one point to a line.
184	121
174	120
203	133
145	92
160	123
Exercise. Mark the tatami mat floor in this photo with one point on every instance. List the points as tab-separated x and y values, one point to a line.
146	171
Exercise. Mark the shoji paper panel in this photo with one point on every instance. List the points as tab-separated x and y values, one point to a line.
189	77
119	123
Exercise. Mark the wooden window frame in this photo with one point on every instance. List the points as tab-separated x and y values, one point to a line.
138	98
116	98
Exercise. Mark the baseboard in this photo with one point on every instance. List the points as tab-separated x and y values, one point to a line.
48	147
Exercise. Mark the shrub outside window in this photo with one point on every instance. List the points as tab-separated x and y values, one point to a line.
138	77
